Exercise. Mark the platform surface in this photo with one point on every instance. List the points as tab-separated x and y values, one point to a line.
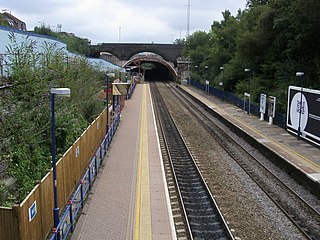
129	199
301	154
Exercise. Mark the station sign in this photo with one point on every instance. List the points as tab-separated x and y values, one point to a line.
119	89
272	106
263	103
304	111
32	211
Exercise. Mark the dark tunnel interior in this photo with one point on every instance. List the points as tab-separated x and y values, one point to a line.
157	72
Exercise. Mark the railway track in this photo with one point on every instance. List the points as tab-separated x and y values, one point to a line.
202	218
305	217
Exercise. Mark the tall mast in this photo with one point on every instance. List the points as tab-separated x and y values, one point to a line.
188	19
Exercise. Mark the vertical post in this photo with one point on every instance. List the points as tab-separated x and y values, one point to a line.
249	95
196	70
300	74
208	87
54	172
81	193
71	215
107	103
222	82
188	83
114	99
1	65
101	154
66	93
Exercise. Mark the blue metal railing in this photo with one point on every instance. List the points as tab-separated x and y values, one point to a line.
71	211
279	120
131	89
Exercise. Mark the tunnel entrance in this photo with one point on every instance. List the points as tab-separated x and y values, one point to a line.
156	72
152	66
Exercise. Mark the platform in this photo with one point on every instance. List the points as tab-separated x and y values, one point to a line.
129	199
300	154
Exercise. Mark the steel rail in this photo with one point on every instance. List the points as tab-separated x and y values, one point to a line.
222	138
205	218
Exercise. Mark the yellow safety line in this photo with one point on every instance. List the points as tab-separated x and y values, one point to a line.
265	136
142	218
137	220
284	146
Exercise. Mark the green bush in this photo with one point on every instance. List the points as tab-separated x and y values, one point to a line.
25	136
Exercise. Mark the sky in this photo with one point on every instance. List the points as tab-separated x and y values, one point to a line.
126	21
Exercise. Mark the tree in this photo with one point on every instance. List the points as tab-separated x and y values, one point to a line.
196	48
274	38
3	21
180	41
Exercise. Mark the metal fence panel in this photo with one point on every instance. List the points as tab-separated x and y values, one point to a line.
279	120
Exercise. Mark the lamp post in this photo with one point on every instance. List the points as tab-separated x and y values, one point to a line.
188	70
300	75
196	70
128	74
107	103
206	78
247	70
107	98
64	92
222	83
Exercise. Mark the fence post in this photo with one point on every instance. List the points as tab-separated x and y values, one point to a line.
106	142
89	176
101	154
1	66
71	217
95	163
81	191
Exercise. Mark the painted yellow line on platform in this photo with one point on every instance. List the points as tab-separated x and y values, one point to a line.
143	208
208	103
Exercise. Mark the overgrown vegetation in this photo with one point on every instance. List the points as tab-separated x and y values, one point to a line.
3	22
273	38
25	137
74	44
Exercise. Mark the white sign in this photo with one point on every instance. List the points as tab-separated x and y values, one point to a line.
77	151
207	82
32	211
272	106
247	94
263	103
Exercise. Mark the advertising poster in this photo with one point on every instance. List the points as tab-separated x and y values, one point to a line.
304	111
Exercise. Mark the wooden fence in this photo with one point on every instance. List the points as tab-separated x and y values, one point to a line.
33	218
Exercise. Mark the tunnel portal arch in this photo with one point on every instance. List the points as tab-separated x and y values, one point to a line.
137	60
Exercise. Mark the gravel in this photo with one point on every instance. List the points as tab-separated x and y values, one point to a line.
248	211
